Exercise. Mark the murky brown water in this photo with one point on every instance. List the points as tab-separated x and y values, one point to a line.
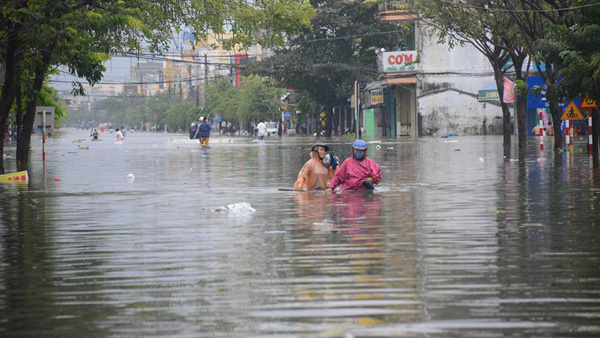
456	241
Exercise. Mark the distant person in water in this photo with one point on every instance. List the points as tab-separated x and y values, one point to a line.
94	134
120	136
262	130
204	131
550	129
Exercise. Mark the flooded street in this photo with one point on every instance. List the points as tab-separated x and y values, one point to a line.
456	241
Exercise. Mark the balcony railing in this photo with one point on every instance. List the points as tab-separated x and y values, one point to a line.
393	6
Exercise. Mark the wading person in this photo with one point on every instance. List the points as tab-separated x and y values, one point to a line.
193	129
357	172
204	131
550	129
94	134
318	170
120	136
262	130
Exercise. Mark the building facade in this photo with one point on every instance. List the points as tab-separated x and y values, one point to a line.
428	88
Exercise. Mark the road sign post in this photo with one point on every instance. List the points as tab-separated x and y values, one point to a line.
541	132
44	135
590	138
571	113
590	105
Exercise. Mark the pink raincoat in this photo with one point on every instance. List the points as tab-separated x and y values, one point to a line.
352	173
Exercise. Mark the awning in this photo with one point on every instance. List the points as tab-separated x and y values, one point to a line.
488	93
401	80
374	85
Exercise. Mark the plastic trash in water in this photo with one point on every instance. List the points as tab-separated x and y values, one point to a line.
130	178
237	208
481	159
449	135
378	147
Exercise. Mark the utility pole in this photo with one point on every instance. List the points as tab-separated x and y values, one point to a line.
190	90
357	108
197	86
205	76
141	78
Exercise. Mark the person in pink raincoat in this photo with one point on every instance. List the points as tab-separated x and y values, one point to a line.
357	172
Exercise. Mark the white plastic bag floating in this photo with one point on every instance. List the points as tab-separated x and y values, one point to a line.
237	208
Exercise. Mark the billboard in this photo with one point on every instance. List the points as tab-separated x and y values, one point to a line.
37	123
399	61
376	96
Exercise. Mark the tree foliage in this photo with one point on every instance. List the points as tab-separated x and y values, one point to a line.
338	48
575	49
36	36
257	99
222	100
483	25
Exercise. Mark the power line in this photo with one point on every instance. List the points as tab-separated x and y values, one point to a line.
495	9
147	82
351	36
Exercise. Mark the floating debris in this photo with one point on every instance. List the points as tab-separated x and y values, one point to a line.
237	208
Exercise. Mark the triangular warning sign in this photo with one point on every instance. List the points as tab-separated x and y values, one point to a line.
588	103
572	113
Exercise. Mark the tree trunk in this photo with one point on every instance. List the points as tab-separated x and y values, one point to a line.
522	125
19	112
342	120
328	121
8	90
24	142
556	115
336	120
518	60
506	132
279	126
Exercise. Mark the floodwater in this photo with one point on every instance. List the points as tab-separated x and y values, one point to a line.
456	241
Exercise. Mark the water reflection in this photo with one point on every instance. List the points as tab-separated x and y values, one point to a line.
456	241
345	277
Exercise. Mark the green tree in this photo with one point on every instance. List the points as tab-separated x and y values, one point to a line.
258	100
576	51
488	29
115	109
338	49
178	115
36	36
534	18
222	99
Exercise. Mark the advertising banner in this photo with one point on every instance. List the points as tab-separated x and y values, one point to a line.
376	96
399	61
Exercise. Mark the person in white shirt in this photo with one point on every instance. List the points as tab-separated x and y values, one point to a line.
262	130
120	136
